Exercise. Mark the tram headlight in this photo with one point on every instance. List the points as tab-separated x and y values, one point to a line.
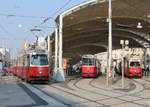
40	72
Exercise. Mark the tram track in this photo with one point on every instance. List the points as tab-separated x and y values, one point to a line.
147	81
109	97
140	84
109	88
76	95
20	83
82	97
123	94
140	92
75	84
90	83
108	91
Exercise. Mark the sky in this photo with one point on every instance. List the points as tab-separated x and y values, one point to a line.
18	17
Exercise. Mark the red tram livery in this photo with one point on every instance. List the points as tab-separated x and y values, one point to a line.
32	65
90	66
133	67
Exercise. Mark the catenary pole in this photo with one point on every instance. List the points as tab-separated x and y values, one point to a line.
109	41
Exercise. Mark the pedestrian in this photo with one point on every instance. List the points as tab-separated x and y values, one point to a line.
74	68
147	70
70	69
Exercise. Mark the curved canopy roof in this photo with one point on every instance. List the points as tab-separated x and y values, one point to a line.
85	27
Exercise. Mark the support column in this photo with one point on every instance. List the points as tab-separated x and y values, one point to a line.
49	54
61	71
56	54
49	47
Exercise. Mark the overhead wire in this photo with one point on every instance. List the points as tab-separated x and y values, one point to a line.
61	8
44	21
21	16
5	31
10	35
52	16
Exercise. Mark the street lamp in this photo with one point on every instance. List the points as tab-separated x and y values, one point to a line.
124	44
139	26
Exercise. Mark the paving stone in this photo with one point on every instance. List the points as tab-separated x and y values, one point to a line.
144	94
129	98
88	104
111	101
126	105
11	95
145	102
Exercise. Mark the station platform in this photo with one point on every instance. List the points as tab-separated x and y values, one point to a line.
15	94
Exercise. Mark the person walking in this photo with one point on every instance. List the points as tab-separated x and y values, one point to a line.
147	71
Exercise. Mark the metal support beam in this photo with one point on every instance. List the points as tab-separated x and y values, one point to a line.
109	42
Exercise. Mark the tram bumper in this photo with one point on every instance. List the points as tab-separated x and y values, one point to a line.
88	74
43	78
135	74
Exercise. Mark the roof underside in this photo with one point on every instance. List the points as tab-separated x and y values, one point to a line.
85	31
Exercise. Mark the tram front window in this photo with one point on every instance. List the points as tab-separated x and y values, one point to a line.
86	61
135	64
39	60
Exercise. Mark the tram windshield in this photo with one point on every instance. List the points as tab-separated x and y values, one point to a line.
87	61
135	64
39	60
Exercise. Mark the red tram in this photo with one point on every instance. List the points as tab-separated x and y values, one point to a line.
90	66
32	65
133	67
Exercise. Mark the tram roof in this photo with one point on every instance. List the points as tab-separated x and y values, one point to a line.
85	27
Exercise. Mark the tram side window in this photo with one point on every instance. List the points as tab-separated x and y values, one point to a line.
28	60
39	60
17	64
25	61
19	61
134	64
